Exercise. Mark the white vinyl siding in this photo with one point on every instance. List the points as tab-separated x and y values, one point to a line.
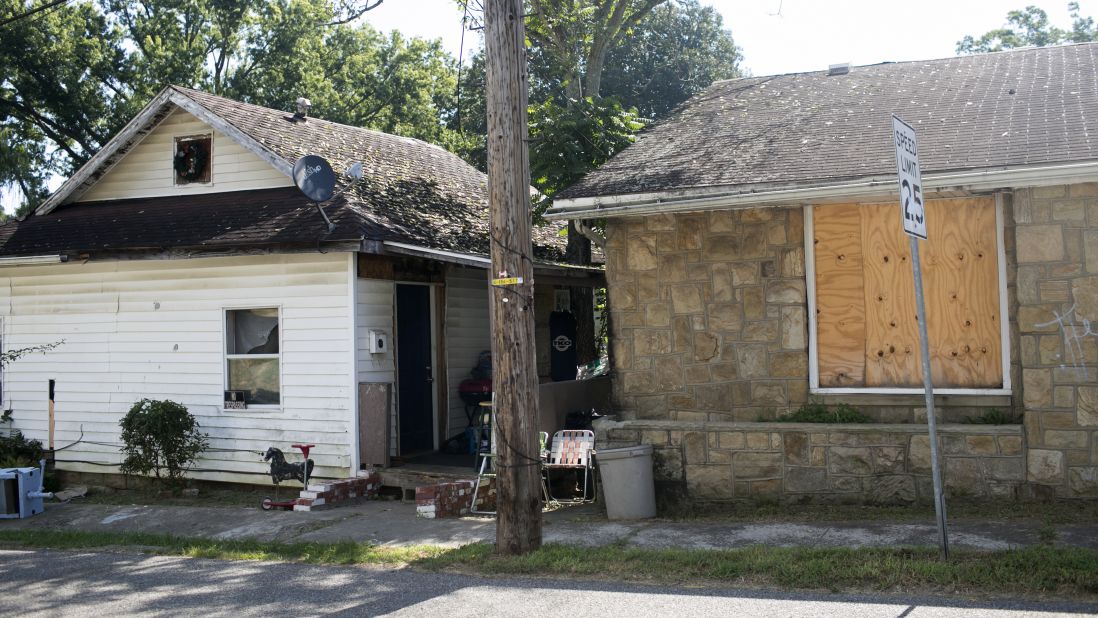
153	328
146	170
468	333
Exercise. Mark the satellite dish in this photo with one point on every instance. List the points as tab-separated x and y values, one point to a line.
314	176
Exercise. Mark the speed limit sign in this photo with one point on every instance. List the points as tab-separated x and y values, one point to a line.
910	178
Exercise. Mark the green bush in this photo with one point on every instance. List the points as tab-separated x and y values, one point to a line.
163	438
16	451
816	412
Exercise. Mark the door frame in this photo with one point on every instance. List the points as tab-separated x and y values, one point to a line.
435	362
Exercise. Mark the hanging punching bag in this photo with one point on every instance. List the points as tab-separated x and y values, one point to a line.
562	342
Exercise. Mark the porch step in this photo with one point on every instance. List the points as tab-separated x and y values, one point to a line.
407	479
339	493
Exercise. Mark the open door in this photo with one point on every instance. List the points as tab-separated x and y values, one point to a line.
415	369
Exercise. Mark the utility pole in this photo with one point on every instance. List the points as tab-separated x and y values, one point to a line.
514	364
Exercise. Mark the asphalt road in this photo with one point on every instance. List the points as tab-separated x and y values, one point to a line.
52	583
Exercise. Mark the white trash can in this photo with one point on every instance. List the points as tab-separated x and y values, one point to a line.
626	478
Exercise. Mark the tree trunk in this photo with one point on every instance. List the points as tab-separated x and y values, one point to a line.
518	498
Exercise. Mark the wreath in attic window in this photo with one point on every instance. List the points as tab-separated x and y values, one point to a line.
192	158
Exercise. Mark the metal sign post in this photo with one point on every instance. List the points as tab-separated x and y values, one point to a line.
914	222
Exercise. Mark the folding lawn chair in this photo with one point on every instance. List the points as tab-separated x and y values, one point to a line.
571	450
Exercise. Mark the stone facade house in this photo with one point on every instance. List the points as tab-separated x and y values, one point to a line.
756	262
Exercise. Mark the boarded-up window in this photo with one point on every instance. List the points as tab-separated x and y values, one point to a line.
867	331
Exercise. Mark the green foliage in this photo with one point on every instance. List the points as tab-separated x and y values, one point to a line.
1030	27
994	416
160	437
16	451
567	141
11	356
817	412
74	75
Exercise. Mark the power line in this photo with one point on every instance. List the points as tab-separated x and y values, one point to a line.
22	16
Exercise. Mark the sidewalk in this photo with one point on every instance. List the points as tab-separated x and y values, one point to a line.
395	524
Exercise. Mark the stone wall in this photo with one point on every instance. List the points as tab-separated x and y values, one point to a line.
801	462
708	314
1056	300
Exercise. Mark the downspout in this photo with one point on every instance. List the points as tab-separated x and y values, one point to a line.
592	235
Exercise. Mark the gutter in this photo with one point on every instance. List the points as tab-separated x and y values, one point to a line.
32	260
605	207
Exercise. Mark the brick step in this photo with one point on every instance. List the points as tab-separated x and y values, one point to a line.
340	492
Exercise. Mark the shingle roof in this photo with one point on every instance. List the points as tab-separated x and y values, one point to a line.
411	191
1016	108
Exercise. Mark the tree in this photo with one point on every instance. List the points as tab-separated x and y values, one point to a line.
1030	27
77	73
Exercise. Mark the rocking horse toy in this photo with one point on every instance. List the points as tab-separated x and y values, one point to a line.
281	470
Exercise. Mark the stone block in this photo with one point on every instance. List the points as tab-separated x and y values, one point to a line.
792	262
731	439
793	328
850	460
769	330
705	346
918	454
657	315
754	306
894	489
1058	420
712	397
796	449
687	299
672	268
718	456
756	465
1063	397
805	480
1039	243
846	484
1045	467
1037	388
963	476
1038	319
709	482
890	459
654	437
647	342
691	231
1049	349
638	382
786	291
981	445
1090	247
725	317
1005	468
1071	210
652	407
818	456
768	393
1083	481
1010	445
1084	291
668	373
724	372
758	441
1059	438
667	464
693	443
640	253
697	374
752	359
1087	410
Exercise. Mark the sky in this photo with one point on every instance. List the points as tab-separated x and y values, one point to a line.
788	36
777	36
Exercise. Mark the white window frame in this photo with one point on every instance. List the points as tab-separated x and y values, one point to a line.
813	357
225	357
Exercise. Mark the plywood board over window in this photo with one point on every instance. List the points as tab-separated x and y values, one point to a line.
867	330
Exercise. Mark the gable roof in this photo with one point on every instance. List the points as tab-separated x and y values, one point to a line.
1015	110
411	192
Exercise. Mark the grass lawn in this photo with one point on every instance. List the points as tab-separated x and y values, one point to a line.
1041	572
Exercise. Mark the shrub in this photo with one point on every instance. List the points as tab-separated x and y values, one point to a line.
16	451
816	412
163	438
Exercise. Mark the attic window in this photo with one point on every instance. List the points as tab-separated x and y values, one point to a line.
193	159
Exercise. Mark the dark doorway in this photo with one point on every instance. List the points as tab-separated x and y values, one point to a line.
415	384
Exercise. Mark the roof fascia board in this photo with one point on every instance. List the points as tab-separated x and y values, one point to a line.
680	201
478	261
197	110
121	139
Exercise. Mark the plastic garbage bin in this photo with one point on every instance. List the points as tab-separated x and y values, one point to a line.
626	478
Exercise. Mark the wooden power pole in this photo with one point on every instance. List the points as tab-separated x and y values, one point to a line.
514	364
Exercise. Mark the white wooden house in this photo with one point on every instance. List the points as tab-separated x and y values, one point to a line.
183	276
